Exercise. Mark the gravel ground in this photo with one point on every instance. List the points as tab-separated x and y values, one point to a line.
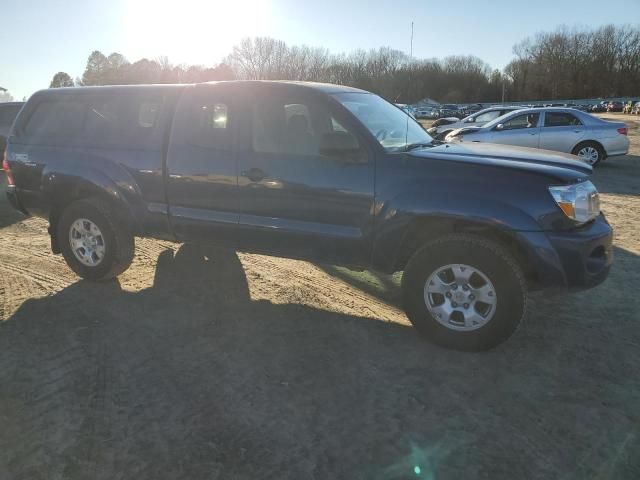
200	363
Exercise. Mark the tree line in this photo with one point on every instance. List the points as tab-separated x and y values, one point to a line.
578	63
563	64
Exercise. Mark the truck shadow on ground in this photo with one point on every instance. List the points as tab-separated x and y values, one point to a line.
192	379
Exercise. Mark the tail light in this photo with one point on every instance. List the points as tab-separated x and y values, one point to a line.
622	131
7	170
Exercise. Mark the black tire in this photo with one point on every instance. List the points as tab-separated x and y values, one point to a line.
441	136
601	153
492	260
118	239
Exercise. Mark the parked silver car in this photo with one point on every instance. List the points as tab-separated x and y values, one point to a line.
443	126
427	112
561	129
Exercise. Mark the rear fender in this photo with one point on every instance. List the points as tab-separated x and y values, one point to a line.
74	180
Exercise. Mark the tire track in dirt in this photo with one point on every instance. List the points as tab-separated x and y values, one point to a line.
17	290
36	275
2	302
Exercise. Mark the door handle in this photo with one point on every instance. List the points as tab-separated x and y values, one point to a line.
577	131
254	174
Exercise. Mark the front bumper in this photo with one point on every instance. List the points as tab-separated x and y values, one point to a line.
571	260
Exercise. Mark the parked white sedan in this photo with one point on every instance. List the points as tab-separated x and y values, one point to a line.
560	129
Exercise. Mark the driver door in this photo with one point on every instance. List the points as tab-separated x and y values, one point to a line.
293	199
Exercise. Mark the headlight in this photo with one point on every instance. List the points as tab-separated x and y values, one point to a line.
579	201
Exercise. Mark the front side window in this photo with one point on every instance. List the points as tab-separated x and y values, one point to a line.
526	120
282	126
560	119
392	127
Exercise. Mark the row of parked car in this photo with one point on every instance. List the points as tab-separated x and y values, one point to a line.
443	111
632	107
562	129
448	110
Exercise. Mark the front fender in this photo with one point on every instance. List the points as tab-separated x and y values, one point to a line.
442	211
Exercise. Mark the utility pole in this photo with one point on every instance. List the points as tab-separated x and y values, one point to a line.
411	48
503	91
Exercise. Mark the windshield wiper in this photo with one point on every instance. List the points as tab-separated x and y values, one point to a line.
413	146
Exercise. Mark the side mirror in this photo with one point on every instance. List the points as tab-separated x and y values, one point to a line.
339	144
500	126
471	120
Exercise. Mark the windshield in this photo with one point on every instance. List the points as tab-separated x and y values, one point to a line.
392	127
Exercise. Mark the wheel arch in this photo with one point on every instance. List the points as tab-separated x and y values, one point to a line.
64	191
425	229
596	142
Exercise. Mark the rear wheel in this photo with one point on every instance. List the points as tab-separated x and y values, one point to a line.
464	292
94	243
590	152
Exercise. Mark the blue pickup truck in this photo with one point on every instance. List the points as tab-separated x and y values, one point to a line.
313	171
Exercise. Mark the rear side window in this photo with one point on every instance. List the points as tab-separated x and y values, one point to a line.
560	119
210	125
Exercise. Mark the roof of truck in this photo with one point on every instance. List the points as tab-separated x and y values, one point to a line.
323	87
327	88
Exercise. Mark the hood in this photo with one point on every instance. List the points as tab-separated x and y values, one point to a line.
561	165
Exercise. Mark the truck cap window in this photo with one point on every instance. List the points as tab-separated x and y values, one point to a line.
56	118
8	113
96	119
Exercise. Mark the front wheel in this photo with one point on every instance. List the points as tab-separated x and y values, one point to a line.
94	243
464	292
443	135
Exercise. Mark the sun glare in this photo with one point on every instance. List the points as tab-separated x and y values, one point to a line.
191	31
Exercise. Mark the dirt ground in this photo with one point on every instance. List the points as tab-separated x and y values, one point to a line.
201	363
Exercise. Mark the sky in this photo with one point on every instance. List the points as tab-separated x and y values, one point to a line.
40	38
